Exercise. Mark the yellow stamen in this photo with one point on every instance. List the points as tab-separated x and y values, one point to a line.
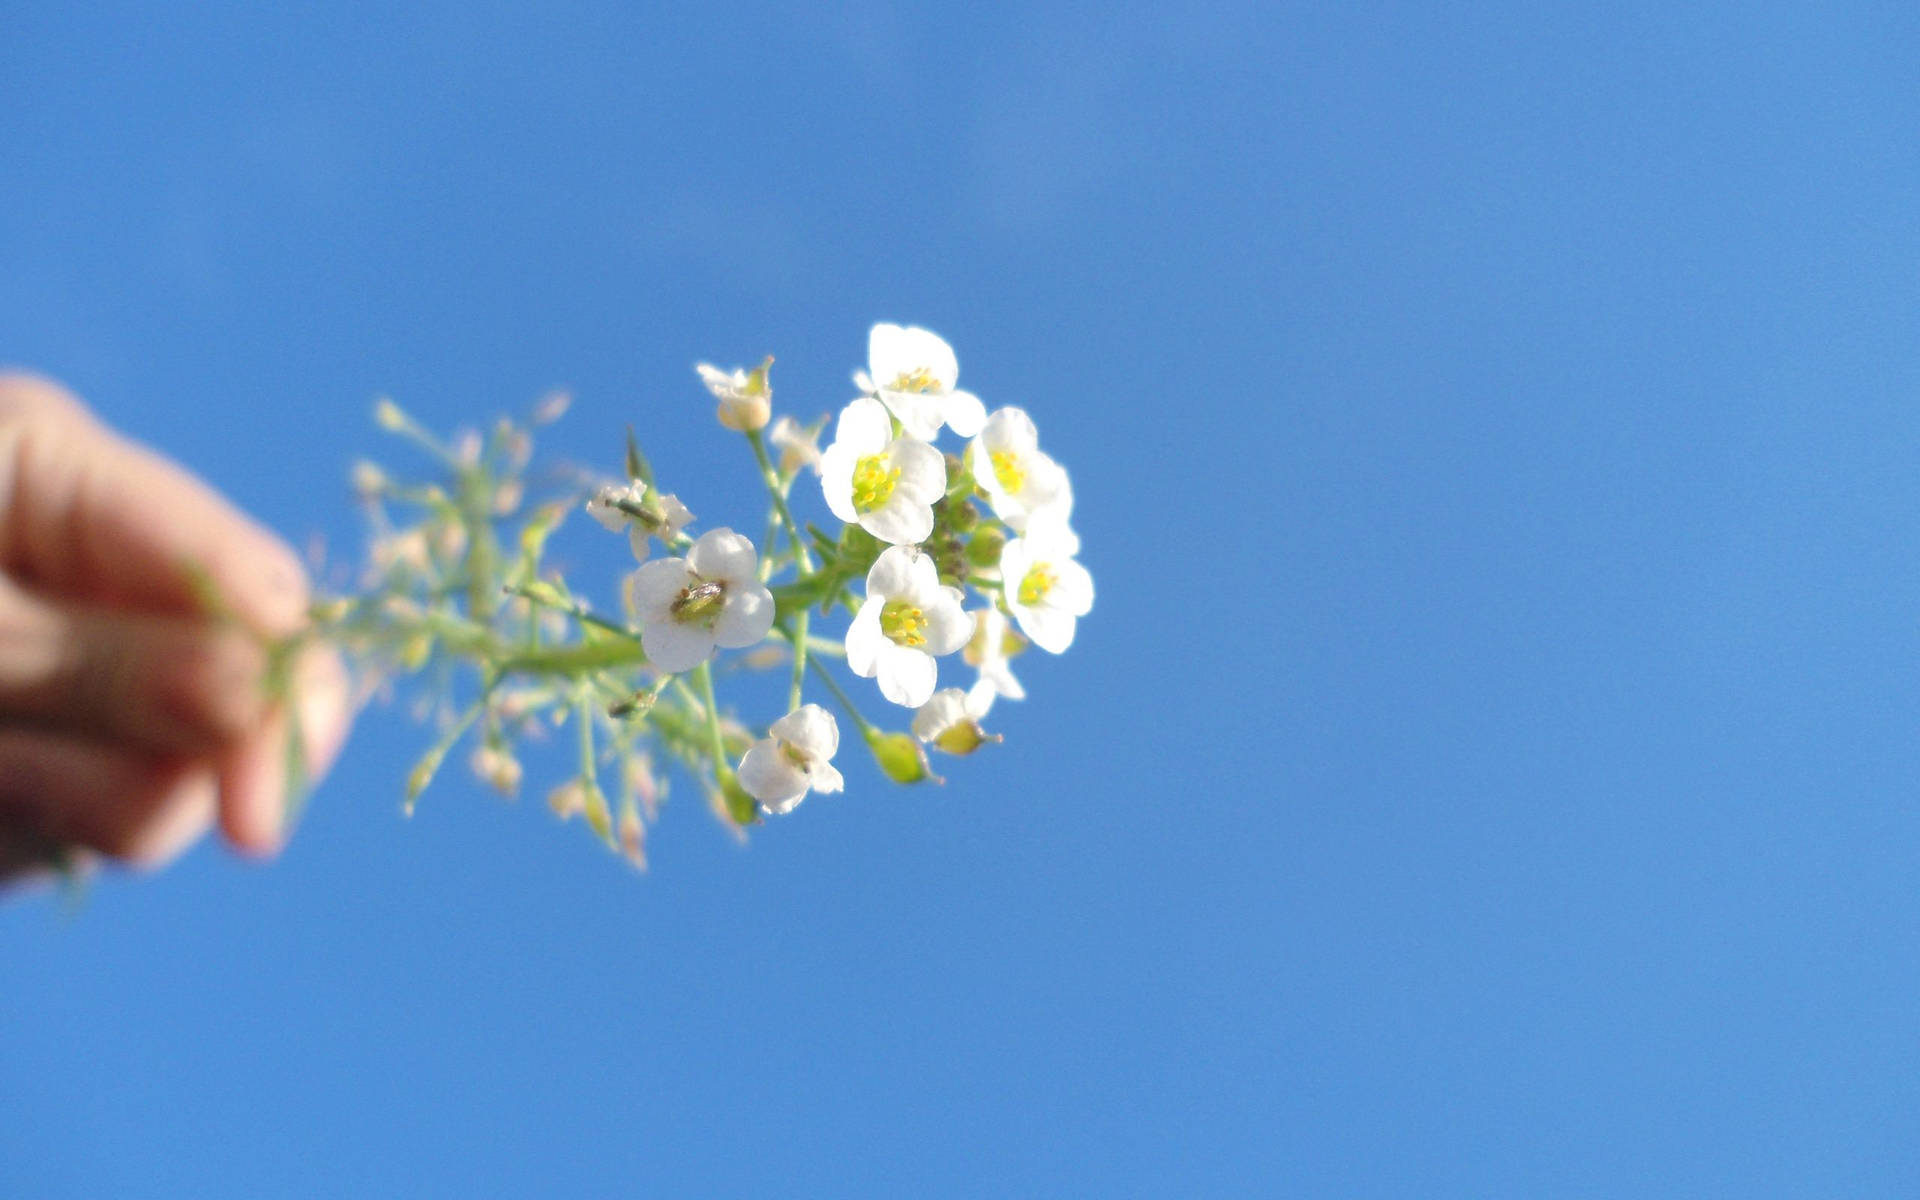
904	624
1039	580
1007	469
874	478
920	379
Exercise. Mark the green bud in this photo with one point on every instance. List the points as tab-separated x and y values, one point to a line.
741	808
984	549
961	516
964	737
900	757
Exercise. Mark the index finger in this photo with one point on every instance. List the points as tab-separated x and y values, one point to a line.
91	516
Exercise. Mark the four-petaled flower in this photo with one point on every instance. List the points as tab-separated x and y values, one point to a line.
907	621
746	398
643	511
782	767
913	372
884	484
1019	479
712	597
1046	589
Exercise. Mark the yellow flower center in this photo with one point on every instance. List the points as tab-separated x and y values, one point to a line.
1007	469
699	603
904	624
1039	580
874	478
920	379
793	754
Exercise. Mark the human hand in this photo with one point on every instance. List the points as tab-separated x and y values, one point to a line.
130	717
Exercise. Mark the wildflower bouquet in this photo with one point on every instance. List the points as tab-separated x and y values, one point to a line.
457	593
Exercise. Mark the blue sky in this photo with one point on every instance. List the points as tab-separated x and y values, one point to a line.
1488	768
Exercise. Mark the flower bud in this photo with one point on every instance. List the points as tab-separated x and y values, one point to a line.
387	415
900	757
983	550
498	768
368	480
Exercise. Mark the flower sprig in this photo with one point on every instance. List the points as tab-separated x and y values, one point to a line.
931	555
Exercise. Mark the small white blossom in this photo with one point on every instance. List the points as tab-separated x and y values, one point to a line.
1046	589
712	597
798	448
913	372
746	398
780	769
907	620
663	516
884	484
951	721
1019	479
992	642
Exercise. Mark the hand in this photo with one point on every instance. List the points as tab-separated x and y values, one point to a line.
129	715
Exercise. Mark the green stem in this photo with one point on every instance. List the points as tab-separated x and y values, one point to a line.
772	479
865	726
703	675
799	659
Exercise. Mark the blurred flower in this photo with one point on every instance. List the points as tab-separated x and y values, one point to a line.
746	397
885	485
993	641
781	768
712	597
798	448
907	620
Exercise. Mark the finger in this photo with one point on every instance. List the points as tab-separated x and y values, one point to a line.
253	778
94	517
174	685
60	790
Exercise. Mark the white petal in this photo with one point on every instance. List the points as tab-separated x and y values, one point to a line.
637	538
1010	428
1072	589
745	616
1015	560
980	698
923	470
836	481
864	427
901	521
655	586
948	625
920	413
965	414
719	382
999	677
827	779
674	647
1050	628
811	729
724	554
898	572
906	676
864	638
770	778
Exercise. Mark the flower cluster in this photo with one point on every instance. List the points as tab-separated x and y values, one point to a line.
966	555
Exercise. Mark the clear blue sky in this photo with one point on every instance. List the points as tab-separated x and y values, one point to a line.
1489	769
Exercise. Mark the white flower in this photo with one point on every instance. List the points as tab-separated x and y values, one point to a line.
992	641
712	597
1046	589
913	374
884	484
908	620
951	721
798	448
746	398
661	514
781	768
1018	478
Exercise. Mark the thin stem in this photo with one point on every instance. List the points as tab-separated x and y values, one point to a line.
799	659
772	480
703	675
865	726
